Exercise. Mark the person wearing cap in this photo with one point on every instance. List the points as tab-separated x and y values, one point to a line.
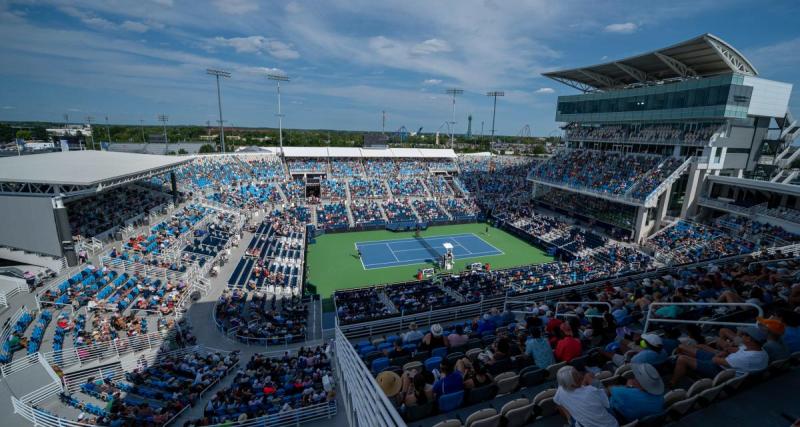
749	356
775	347
577	399
434	338
642	395
652	351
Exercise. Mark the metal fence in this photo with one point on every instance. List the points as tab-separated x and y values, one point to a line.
653	305
365	403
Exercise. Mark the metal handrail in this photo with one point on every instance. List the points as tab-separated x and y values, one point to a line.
651	311
560	303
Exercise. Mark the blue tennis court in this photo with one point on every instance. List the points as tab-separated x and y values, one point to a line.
394	253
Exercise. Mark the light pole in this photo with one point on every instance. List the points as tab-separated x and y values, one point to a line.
163	118
108	132
141	127
218	74
494	94
278	79
453	92
89	120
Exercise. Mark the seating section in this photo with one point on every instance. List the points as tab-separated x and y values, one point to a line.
343	168
272	385
258	319
333	189
111	209
650	133
399	210
430	211
367	213
407	187
295	190
607	172
687	242
369	188
155	394
333	216
307	165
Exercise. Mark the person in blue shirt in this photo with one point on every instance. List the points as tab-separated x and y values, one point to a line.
538	349
652	351
642	396
791	333
486	325
450	380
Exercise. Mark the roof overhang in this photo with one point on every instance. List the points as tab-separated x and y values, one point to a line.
754	184
75	173
702	56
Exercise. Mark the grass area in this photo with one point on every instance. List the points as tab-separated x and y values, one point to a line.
334	264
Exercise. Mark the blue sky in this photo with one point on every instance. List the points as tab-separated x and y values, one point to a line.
349	59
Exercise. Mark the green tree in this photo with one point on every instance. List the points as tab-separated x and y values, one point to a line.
207	148
24	134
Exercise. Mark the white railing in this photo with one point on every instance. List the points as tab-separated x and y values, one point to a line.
652	310
289	418
580	303
43	393
146	270
365	403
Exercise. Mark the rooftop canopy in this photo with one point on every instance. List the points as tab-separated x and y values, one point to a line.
702	56
75	172
353	152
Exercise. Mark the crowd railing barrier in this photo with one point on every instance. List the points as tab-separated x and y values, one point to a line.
653	305
365	403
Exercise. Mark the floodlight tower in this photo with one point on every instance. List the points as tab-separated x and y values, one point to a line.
141	127
108	132
89	120
453	92
163	118
225	75
494	94
278	79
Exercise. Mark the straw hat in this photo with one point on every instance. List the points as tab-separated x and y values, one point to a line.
389	382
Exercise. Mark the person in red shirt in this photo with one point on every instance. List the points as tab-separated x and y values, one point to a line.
568	347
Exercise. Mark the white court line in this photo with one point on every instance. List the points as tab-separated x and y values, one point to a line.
392	252
422	261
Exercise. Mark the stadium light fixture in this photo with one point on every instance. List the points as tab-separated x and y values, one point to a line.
494	94
278	78
89	121
226	75
108	132
453	92
163	118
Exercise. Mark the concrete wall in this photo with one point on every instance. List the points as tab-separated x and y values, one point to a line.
28	223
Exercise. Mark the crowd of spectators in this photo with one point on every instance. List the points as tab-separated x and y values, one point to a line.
430	211
608	172
261	318
687	242
368	188
109	209
399	210
307	165
333	216
273	386
653	133
366	213
407	187
333	189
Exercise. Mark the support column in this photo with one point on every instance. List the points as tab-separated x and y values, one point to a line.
692	190
64	232
661	208
641	217
174	186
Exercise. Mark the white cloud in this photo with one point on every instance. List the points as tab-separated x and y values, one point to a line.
545	90
432	82
622	28
168	3
136	27
258	44
293	7
8	107
88	19
236	7
431	46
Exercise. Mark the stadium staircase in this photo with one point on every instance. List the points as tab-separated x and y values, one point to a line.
383	213
284	199
387	302
792	175
790	132
428	192
416	214
349	202
446	212
652	198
